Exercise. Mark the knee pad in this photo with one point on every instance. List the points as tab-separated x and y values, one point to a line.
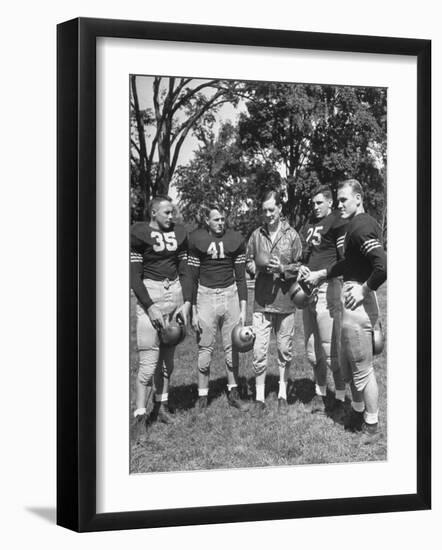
146	366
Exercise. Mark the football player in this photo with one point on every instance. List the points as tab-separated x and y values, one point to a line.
364	268
160	281
217	269
273	252
323	240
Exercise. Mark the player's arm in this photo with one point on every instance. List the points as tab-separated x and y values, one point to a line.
339	235
250	256
239	267
136	273
372	249
194	262
136	281
304	271
185	280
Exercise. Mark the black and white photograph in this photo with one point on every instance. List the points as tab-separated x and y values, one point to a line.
258	273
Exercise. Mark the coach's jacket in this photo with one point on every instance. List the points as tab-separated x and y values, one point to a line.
272	290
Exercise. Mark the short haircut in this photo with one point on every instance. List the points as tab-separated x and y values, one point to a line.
354	185
324	190
207	208
156	201
272	194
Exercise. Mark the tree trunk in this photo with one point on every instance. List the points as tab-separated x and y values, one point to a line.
145	176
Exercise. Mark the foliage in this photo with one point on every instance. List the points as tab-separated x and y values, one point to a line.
158	133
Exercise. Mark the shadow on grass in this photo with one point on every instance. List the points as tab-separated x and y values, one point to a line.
184	397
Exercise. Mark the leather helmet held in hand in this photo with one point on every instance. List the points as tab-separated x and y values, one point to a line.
301	294
378	339
173	333
243	338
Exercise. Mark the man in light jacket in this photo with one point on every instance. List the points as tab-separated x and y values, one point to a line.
272	256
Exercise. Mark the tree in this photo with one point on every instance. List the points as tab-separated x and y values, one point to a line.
317	134
158	133
220	173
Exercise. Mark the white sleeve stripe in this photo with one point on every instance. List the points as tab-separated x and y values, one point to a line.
136	260
240	261
367	245
369	242
372	247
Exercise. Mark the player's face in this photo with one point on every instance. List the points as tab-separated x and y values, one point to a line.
321	206
216	222
271	212
163	215
348	202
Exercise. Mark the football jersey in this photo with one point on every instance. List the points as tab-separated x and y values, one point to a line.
364	256
323	241
159	254
217	261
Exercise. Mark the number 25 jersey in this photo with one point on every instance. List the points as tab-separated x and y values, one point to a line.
323	241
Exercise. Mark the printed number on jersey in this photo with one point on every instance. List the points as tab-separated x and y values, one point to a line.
164	241
217	252
314	234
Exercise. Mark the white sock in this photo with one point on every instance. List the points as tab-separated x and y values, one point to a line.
340	395
260	392
358	406
321	390
230	386
282	394
203	392
163	397
138	412
371	418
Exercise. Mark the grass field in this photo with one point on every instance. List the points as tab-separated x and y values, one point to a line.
222	437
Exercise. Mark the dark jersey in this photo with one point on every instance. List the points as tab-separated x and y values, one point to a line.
323	241
216	262
364	256
158	255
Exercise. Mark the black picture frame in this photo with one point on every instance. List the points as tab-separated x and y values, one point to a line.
77	286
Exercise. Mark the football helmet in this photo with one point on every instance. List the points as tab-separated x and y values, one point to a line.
243	338
172	334
301	294
378	339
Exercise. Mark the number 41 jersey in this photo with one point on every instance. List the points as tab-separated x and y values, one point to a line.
217	261
323	241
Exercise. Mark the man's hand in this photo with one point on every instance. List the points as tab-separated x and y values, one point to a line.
195	320
156	317
303	272
274	265
315	278
354	295
183	313
251	268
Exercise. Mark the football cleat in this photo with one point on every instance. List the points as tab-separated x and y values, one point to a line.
243	338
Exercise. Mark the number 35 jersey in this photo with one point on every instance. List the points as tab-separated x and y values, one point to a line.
217	261
159	255
323	241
